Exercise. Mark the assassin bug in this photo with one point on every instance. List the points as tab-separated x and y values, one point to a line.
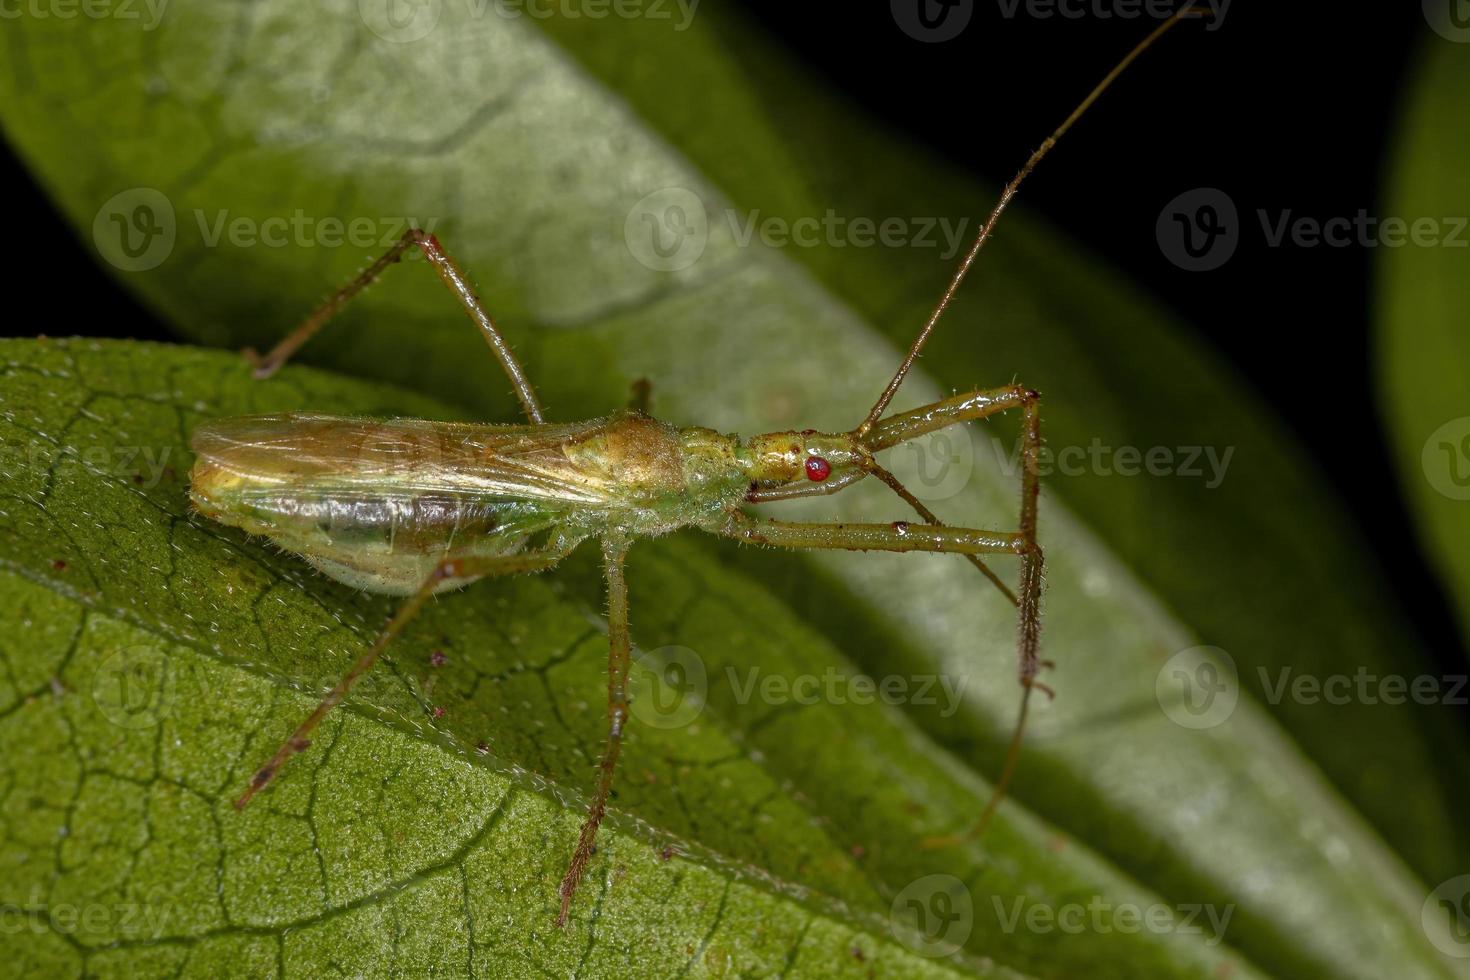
413	508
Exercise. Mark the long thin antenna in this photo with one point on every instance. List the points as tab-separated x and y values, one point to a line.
1005	199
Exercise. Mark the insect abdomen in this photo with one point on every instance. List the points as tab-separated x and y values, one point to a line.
351	499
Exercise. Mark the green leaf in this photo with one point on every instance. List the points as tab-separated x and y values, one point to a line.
1423	304
534	176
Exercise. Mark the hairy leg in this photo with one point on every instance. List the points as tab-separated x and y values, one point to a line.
618	664
452	278
450	568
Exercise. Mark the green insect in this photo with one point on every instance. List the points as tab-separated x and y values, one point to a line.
412	508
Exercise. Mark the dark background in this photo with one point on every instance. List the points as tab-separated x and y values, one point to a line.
1284	106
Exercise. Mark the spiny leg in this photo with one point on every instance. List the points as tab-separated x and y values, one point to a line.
451	276
450	568
614	550
898	536
1028	619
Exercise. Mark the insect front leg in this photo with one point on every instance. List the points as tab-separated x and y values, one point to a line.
614	551
449	568
452	278
901	536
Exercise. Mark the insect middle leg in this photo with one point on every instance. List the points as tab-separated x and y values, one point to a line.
449	568
452	278
614	551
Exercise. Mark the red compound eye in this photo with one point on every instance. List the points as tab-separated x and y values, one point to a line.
817	469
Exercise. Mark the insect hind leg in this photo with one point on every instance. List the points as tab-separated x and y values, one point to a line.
453	279
446	570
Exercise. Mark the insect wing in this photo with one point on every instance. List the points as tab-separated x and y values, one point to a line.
378	459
